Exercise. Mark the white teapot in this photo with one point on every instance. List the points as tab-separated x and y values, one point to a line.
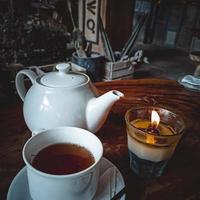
63	98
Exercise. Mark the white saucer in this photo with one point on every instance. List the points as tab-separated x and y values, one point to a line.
111	182
191	87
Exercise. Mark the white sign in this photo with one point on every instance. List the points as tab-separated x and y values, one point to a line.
91	20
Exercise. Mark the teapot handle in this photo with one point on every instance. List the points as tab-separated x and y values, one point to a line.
19	81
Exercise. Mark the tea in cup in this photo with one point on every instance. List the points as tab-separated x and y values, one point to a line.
63	163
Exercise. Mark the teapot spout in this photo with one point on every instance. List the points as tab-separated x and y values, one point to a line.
98	109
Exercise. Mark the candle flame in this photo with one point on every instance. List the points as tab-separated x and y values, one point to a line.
155	118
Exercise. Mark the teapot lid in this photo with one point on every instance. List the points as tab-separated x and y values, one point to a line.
63	77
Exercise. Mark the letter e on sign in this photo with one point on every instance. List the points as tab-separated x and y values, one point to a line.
91	20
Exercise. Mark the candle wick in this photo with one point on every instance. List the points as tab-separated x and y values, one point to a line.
152	129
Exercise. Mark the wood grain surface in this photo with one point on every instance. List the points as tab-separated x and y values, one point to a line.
181	179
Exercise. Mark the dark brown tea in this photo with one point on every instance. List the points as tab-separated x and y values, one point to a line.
62	159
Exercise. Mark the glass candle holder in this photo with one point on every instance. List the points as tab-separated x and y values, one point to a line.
149	151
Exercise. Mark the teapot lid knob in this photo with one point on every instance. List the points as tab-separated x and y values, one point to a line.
63	67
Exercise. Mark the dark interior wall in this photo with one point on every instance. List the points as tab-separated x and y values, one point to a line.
175	23
189	27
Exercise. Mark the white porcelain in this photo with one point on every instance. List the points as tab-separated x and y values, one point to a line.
63	98
18	189
77	186
189	84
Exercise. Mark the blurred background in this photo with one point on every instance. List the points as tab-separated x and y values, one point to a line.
41	32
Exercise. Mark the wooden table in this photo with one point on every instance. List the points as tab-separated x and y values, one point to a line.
181	179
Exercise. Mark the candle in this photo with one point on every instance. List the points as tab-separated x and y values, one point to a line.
151	139
152	128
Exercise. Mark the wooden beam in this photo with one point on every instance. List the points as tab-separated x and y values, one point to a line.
119	22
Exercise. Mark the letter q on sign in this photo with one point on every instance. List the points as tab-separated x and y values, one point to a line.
91	20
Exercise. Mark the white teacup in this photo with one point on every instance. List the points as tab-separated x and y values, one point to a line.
78	186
